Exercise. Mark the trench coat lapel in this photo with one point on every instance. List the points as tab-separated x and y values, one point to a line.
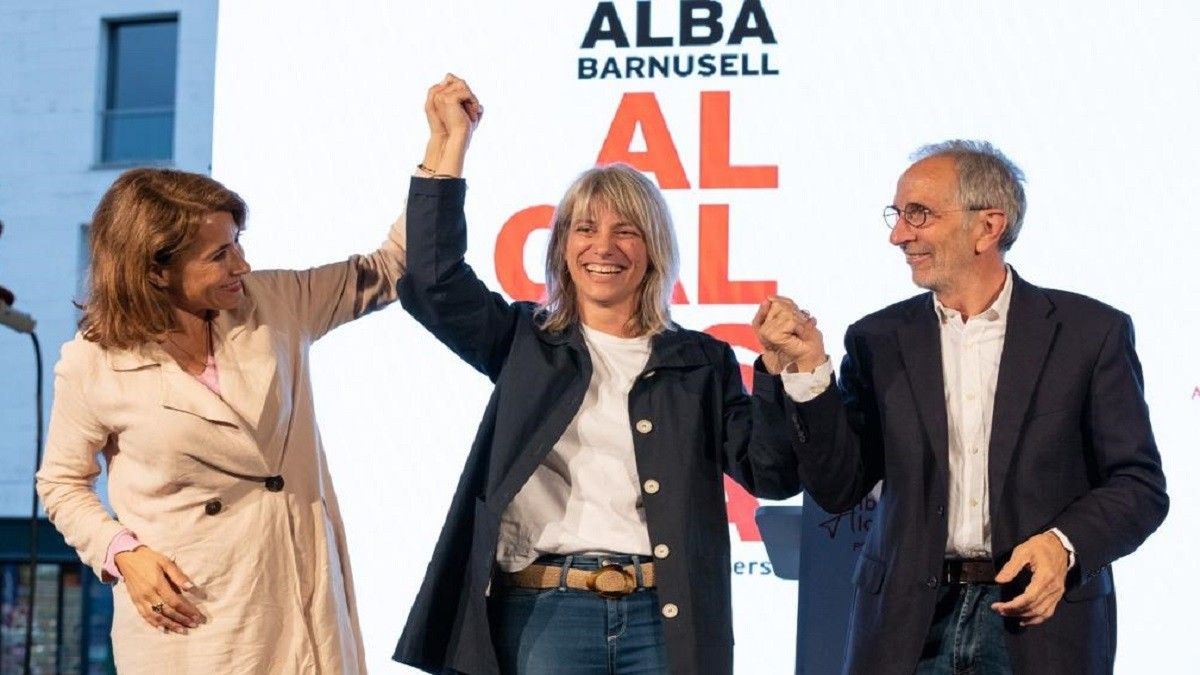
178	390
246	373
921	351
1028	335
247	370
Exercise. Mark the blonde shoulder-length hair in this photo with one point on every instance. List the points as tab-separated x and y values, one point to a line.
634	198
145	220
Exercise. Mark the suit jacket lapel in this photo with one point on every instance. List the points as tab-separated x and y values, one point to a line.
921	350
1029	333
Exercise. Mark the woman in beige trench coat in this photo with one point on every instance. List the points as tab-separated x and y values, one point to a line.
191	378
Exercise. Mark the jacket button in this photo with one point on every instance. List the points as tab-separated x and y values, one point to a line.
941	510
932	582
650	486
274	483
644	426
662	551
670	610
212	507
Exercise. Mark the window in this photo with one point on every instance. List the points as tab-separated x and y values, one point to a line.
139	96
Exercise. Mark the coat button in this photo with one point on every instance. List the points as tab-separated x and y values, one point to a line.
662	551
650	486
212	507
274	483
644	426
932	582
670	610
941	510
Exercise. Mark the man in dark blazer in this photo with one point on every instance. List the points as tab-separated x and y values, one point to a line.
1008	426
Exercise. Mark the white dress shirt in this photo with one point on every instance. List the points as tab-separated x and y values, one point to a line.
970	367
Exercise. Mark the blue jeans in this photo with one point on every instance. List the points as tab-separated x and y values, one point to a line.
967	637
572	632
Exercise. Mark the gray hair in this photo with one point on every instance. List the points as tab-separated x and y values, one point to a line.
635	198
986	179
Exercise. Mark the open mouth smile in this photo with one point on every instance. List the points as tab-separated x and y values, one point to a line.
605	269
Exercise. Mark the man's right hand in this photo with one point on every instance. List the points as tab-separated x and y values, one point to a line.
154	583
788	335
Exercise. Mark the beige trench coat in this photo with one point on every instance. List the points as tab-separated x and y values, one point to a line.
187	474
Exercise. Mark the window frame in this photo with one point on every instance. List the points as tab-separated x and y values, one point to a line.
106	65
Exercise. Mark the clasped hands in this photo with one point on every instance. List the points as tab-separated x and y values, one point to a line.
453	113
789	336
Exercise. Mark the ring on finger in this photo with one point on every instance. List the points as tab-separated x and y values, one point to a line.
157	607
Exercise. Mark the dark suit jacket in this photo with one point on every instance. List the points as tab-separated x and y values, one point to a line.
1071	447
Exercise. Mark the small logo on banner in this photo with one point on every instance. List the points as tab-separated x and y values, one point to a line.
1196	392
743	39
853	524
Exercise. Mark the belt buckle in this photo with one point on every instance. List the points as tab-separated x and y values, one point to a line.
611	581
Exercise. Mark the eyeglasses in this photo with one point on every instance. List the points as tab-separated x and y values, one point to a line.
917	215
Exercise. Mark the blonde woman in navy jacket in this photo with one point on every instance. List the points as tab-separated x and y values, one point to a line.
588	529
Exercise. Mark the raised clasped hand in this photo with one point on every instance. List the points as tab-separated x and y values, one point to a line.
788	335
452	108
155	584
453	113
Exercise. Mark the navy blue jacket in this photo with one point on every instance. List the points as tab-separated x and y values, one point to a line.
703	426
1071	447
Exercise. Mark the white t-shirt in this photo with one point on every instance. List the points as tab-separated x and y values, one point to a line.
584	496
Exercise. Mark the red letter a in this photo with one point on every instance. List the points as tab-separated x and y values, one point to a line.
660	157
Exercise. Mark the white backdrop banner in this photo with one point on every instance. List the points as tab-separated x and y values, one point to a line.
777	130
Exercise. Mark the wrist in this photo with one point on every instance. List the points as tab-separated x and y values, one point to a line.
774	362
121	554
811	363
433	149
450	164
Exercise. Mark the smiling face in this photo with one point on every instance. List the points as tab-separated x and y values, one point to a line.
942	254
607	260
208	275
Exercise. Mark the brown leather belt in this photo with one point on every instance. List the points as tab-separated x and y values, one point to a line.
609	581
968	572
